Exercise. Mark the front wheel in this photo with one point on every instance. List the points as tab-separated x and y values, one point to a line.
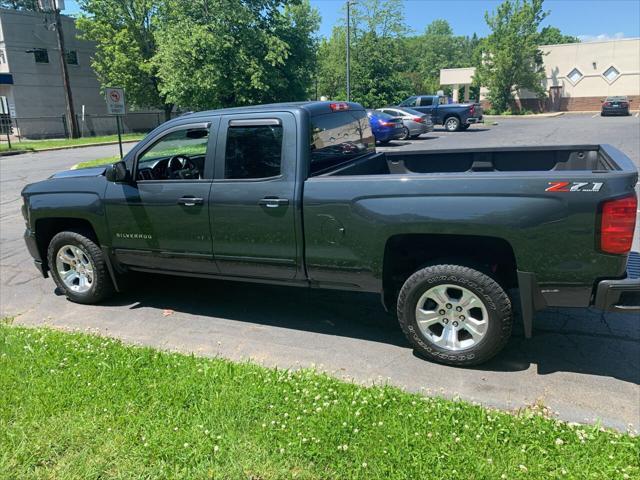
455	315
452	124
78	267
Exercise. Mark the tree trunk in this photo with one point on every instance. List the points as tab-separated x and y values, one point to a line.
168	108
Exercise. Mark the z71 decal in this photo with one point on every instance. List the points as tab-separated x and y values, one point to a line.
574	187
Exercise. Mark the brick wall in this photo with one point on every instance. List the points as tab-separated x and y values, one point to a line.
567	104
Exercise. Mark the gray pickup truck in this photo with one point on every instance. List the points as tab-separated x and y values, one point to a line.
296	194
454	116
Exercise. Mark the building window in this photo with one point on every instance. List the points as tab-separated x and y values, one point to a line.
611	74
41	55
575	76
71	57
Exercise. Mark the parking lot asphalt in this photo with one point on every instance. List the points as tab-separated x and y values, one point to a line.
581	364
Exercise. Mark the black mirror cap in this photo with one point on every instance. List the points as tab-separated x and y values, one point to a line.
117	172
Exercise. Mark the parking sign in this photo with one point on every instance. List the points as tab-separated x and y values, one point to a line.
115	100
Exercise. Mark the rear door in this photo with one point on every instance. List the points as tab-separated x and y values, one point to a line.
425	105
252	204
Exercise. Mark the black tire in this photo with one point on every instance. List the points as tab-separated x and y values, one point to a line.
496	302
465	126
407	134
101	286
452	124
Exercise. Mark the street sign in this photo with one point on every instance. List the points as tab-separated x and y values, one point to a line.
115	101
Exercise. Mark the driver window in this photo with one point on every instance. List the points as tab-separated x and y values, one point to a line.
179	155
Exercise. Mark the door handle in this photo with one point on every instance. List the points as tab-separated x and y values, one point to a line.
190	201
272	202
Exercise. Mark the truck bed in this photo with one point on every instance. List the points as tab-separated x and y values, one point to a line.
591	158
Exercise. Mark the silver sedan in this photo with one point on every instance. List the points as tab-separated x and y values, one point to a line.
415	123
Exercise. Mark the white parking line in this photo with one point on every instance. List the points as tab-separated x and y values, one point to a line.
595	115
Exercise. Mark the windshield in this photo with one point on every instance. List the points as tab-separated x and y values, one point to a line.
339	137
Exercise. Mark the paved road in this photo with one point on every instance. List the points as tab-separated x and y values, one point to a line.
581	364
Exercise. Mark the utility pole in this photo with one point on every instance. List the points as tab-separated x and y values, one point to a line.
348	50
70	112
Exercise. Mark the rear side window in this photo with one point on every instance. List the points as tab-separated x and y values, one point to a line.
426	101
339	137
253	152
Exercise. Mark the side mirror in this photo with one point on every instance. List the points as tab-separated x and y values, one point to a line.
117	172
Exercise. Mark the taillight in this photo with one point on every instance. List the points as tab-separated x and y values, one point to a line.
338	107
624	104
387	124
418	119
472	109
618	224
607	104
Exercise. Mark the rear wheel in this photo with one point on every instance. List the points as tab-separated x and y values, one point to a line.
78	267
455	315
452	124
406	134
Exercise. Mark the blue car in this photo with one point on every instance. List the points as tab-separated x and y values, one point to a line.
385	127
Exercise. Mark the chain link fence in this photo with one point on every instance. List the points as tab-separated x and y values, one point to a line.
39	128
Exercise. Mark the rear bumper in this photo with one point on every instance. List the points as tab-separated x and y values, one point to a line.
471	120
621	295
615	111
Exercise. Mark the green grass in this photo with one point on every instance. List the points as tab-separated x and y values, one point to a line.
98	162
79	406
35	145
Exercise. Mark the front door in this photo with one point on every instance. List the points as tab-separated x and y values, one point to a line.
160	220
253	201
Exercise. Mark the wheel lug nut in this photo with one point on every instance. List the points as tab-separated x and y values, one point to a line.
458	309
461	317
449	305
455	324
445	320
442	312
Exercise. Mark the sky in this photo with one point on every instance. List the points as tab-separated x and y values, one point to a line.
587	19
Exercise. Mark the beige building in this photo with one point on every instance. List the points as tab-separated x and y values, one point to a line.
578	75
30	72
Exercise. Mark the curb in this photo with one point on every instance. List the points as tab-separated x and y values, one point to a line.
17	152
538	115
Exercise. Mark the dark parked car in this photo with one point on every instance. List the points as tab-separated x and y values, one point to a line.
454	116
415	123
296	194
385	127
615	106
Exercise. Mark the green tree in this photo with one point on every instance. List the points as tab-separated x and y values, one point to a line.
377	56
553	36
435	49
220	53
511	60
124	32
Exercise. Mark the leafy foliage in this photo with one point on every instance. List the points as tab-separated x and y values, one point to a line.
435	49
511	60
377	60
553	36
124	33
219	53
203	53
